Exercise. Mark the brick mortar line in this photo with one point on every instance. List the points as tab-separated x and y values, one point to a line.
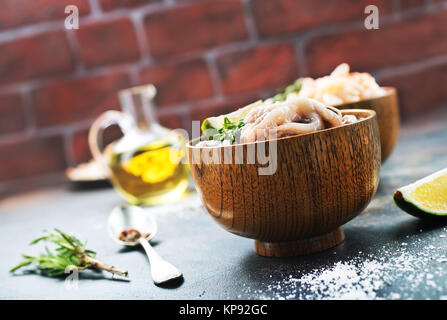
250	22
134	75
439	109
138	22
44	132
210	60
396	6
29	116
30	30
415	66
185	119
427	9
84	73
71	128
300	57
185	107
343	28
95	7
75	51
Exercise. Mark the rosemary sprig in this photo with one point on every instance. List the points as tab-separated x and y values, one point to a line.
283	92
69	252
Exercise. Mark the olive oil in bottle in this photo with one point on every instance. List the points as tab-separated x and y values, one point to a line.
153	173
147	165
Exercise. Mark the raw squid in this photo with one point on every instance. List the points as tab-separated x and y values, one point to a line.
341	86
294	116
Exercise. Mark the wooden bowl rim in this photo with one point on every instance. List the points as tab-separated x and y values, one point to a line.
372	114
390	91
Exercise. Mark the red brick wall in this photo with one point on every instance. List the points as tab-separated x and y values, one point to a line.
204	56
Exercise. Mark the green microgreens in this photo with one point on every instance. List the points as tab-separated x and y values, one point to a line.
229	130
283	92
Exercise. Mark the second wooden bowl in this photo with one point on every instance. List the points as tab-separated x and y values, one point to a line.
321	181
387	110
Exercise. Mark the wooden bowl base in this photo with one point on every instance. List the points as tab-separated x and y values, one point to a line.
300	247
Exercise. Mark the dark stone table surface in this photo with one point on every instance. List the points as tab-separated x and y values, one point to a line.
387	254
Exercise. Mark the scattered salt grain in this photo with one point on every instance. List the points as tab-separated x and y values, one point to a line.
394	296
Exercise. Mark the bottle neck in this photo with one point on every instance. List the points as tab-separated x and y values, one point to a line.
137	103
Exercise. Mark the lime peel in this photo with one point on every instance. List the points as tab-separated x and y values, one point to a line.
412	203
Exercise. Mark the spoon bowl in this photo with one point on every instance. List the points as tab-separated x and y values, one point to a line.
132	217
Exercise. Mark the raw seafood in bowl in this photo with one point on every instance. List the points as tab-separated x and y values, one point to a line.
315	181
353	90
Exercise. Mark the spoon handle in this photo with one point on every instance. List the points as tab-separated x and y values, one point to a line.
161	270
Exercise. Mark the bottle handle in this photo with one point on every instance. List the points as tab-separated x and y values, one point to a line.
95	135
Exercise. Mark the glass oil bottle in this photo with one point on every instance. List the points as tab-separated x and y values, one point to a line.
147	165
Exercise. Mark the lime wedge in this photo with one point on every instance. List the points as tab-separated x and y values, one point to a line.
426	198
217	122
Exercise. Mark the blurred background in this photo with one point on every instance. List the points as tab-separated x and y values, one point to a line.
205	57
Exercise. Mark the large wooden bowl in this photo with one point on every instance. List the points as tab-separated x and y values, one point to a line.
387	110
322	180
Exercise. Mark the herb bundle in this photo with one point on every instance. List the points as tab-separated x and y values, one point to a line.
69	252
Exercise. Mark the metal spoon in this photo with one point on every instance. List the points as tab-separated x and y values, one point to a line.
132	217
